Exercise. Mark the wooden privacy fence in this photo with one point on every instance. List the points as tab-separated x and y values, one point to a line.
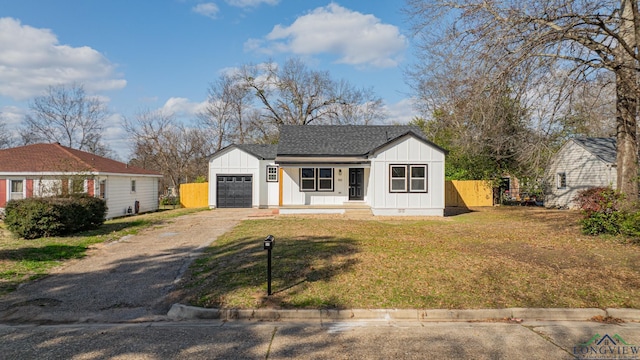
466	193
194	195
457	193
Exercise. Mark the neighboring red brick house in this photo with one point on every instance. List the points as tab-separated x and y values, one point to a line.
50	169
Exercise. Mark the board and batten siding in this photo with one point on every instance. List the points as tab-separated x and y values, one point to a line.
407	151
583	170
234	162
119	196
292	195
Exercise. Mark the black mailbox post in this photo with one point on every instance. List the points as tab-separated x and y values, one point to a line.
269	241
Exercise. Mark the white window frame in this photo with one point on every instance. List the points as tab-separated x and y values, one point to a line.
15	193
133	185
561	180
272	173
397	178
408	178
318	182
412	178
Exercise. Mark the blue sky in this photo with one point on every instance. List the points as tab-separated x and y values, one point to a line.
163	54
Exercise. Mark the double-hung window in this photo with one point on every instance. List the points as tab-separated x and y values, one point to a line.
272	173
408	178
398	178
316	179
17	190
133	186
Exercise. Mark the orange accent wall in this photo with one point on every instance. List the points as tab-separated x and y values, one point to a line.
29	188
3	193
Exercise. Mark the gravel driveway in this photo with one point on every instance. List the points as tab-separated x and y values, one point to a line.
127	280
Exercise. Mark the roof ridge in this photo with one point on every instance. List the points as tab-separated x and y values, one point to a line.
66	149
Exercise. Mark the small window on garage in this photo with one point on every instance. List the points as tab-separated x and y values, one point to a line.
272	173
133	186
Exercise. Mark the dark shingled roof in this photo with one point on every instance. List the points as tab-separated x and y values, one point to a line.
603	148
340	140
262	151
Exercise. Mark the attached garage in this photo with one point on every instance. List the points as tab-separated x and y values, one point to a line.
238	177
234	191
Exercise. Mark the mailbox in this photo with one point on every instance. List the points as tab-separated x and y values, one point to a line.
269	242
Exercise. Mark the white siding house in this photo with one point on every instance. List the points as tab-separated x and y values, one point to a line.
387	170
580	164
40	170
243	176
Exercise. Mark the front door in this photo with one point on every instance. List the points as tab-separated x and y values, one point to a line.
356	184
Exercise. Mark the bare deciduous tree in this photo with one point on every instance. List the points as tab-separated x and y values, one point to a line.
229	116
65	114
163	144
293	94
582	38
6	139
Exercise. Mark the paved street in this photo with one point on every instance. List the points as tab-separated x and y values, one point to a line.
303	340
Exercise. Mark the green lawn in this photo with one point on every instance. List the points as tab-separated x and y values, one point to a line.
23	260
492	258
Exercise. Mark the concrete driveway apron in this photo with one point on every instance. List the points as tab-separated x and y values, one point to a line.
127	280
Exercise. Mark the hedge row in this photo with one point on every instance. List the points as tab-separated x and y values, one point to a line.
41	217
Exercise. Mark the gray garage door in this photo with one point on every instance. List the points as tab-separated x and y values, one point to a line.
234	191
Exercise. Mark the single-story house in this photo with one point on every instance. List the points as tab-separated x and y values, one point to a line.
40	170
388	170
581	163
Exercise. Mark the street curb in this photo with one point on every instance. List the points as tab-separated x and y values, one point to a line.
185	312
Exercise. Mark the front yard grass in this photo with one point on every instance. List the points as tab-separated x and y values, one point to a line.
23	260
491	258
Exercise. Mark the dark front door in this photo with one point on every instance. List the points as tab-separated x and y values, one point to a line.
356	184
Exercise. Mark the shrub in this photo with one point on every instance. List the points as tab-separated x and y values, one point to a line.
41	217
630	225
170	200
601	209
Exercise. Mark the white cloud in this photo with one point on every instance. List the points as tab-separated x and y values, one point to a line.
182	107
12	116
356	38
251	3
32	59
401	112
207	9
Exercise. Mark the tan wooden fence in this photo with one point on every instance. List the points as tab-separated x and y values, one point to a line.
194	195
468	193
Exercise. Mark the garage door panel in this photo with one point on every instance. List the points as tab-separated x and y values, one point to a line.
234	191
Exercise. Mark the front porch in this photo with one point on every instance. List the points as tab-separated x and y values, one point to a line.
359	208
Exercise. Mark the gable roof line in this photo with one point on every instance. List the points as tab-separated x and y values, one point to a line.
600	156
64	148
416	136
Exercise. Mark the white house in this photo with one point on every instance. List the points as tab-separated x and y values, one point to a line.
50	169
580	164
391	170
